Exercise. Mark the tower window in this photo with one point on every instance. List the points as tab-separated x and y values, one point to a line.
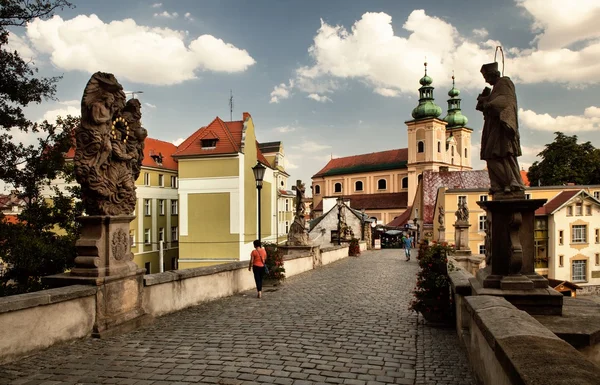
405	182
382	184
452	150
358	186
465	153
421	147
317	189
337	188
439	146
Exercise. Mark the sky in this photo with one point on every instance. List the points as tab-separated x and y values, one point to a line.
327	78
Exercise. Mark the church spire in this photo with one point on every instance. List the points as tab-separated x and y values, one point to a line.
455	118
427	107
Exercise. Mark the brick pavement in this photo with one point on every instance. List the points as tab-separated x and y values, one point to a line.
346	323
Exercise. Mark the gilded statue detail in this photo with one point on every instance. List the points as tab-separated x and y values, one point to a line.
109	147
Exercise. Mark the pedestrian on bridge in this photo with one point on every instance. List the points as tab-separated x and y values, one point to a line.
408	243
258	256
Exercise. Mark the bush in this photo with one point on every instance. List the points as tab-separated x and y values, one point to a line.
432	293
354	248
274	263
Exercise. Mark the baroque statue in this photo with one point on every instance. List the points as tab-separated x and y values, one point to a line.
441	214
462	214
297	235
109	147
500	140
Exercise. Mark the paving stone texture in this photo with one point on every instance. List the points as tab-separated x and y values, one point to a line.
345	323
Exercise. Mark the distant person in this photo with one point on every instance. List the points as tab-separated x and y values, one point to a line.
408	241
258	256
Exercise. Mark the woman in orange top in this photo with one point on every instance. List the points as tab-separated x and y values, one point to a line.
258	256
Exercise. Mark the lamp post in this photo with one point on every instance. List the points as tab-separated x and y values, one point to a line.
415	221
259	173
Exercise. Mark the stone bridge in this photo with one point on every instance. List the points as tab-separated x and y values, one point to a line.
344	323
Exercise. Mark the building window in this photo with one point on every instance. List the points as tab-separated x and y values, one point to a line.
381	184
452	150
597	195
588	209
421	146
439	146
597	259
578	209
462	199
482	222
405	182
597	235
287	205
466	153
161	234
317	189
148	267
174	234
146	179
569	211
161	206
527	196
579	271
561	260
146	236
579	234
287	227
161	180
483	198
208	143
174	207
147	207
337	188
481	249
561	238
173	181
358	186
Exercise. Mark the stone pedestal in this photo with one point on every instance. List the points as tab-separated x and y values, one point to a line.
441	234
104	259
297	236
510	251
461	238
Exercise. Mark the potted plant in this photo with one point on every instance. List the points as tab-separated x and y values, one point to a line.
354	248
432	292
274	263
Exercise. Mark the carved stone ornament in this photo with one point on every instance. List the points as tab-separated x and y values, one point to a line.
120	245
109	147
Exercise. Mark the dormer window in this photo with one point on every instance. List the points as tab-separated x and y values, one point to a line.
209	143
158	158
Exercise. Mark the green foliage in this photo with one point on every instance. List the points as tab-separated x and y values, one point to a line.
565	161
274	262
354	248
432	292
43	242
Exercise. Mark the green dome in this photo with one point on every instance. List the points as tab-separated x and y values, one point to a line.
455	118
427	107
453	92
426	80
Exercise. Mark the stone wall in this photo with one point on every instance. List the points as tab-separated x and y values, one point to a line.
589	290
34	321
470	263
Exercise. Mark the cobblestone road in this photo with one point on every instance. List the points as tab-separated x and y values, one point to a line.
346	323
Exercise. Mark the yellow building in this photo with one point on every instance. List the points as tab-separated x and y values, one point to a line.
384	184
218	214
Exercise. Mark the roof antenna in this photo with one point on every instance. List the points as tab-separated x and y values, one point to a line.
230	105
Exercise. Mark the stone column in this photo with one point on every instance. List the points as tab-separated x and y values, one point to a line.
442	234
461	238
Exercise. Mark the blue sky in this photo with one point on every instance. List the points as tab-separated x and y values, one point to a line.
327	78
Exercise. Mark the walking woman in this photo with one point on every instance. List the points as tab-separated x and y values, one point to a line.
258	256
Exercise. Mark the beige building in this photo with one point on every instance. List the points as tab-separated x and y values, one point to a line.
384	184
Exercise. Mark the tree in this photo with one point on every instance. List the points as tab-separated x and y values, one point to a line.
565	161
43	241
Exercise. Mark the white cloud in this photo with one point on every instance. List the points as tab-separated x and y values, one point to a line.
188	16
290	166
178	141
167	15
51	115
319	98
80	44
480	32
150	105
156	5
280	92
589	121
386	91
310	146
19	44
285	129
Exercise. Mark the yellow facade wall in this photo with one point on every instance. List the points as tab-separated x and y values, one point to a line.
209	168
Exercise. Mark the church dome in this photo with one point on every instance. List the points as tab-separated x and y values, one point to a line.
427	107
455	118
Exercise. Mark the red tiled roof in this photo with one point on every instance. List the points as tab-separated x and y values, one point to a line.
524	177
376	161
151	147
432	181
556	202
401	219
260	157
229	134
374	201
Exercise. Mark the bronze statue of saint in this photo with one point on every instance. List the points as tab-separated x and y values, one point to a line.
500	141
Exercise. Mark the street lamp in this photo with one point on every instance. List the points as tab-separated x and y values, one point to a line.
415	221
259	173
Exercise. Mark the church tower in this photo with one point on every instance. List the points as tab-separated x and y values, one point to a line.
426	137
458	135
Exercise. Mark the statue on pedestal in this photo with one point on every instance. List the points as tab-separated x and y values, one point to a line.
298	235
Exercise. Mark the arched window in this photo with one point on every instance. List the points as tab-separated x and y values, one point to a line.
439	146
287	227
452	150
358	186
381	184
337	188
317	189
420	178
465	153
405	182
421	147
